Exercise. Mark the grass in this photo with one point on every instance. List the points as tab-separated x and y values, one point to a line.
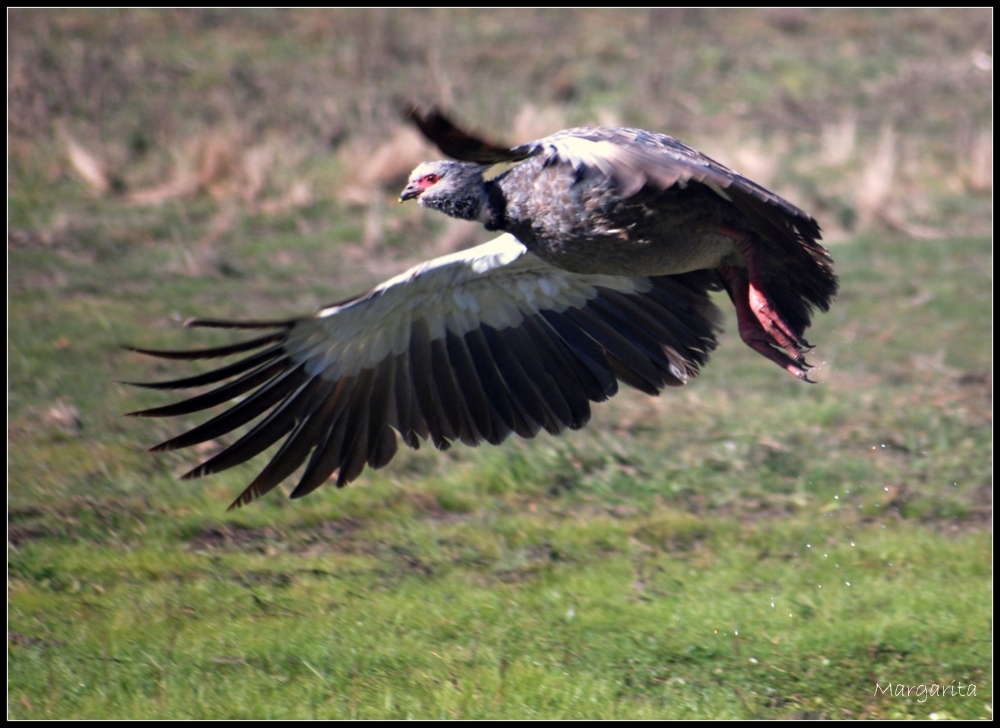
745	547
577	623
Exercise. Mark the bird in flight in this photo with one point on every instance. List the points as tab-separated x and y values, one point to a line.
612	240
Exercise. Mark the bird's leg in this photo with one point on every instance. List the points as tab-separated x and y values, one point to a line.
753	332
761	327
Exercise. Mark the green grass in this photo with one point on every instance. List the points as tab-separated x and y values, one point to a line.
580	614
745	547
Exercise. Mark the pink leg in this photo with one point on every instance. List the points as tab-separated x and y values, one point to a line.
761	327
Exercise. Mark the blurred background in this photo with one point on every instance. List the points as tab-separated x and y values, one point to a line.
879	118
669	560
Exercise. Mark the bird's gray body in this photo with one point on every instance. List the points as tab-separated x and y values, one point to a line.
616	235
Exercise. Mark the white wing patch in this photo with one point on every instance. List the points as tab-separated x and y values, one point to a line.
495	284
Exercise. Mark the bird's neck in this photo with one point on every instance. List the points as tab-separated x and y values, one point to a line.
495	209
482	202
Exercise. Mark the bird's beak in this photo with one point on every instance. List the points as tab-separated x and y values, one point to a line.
410	192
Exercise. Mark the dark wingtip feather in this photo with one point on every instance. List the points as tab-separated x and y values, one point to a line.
248	496
195	472
214	352
456	142
243	499
223	393
172	353
217	375
231	324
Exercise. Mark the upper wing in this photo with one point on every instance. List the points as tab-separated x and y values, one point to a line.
633	158
472	346
456	142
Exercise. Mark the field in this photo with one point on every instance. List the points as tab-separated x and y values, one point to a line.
746	547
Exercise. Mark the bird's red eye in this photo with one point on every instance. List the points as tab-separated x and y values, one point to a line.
431	179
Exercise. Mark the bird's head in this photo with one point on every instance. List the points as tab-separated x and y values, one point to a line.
455	188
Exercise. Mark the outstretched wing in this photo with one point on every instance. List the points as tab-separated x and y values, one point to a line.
473	346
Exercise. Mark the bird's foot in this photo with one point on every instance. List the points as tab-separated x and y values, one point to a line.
761	327
771	322
757	338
